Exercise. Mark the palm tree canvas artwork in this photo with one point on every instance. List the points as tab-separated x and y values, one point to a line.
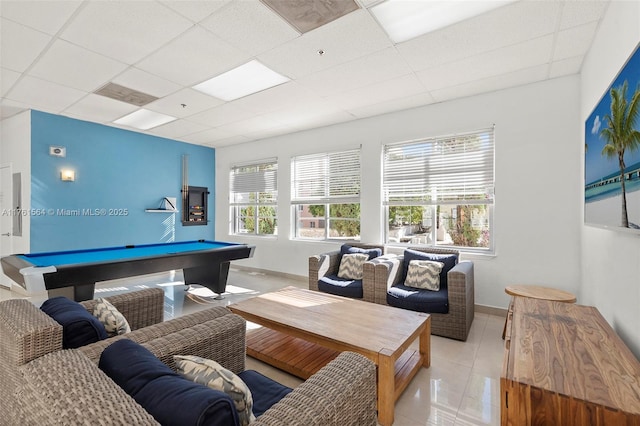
612	153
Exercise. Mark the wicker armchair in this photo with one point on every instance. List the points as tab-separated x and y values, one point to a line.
43	384
327	264
456	323
27	333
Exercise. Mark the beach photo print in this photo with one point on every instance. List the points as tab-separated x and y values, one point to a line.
612	153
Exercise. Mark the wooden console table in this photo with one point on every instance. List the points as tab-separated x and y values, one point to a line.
564	365
535	292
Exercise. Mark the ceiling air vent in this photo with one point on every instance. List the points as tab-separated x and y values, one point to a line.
124	94
307	15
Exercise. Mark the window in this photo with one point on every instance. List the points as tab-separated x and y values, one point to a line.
253	198
439	191
325	195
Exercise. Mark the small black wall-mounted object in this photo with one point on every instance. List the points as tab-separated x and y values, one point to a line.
195	206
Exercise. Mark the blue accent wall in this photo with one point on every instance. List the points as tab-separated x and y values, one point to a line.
119	174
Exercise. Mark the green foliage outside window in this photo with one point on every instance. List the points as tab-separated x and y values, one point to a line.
266	219
344	219
461	227
405	215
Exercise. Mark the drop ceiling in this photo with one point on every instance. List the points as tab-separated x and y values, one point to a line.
55	54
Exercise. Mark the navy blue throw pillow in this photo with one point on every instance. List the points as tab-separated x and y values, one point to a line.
167	396
372	253
79	327
449	260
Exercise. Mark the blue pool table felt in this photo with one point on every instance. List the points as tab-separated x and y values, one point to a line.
118	253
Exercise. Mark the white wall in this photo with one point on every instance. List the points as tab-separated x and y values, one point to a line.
538	182
611	259
15	149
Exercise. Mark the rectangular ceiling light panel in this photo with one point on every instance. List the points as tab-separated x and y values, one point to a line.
244	80
404	20
144	119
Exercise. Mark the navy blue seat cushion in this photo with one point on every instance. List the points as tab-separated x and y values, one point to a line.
420	300
347	249
168	397
449	260
79	327
265	391
345	287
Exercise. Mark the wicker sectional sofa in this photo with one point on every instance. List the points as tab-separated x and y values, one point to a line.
43	384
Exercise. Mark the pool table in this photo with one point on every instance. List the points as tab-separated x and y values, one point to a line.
203	262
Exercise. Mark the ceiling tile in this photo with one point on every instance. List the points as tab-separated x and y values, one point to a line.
178	128
512	24
193	100
234	140
194	57
99	109
76	67
383	91
491	84
195	10
30	90
128	30
20	45
268	30
46	16
282	96
250	125
268	133
576	13
223	114
497	62
207	137
378	66
8	79
144	82
566	66
350	37
574	41
309	115
386	107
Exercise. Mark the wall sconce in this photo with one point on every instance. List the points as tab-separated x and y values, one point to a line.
67	175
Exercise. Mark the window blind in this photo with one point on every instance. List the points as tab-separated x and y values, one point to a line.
450	169
254	183
326	178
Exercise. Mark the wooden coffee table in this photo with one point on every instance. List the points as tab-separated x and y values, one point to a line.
306	329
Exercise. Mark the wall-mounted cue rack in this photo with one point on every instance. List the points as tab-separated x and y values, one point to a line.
195	206
194	199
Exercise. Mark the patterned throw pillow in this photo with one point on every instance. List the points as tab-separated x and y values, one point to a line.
114	322
424	274
211	374
351	266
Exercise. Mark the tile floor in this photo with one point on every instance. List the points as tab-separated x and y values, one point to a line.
461	388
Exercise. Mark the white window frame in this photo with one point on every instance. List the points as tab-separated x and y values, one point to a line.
326	178
449	170
253	179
